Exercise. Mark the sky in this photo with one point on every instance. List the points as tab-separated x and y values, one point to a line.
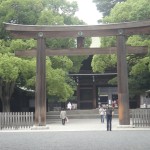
88	12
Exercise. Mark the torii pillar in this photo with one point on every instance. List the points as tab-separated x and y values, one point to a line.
80	44
40	92
122	71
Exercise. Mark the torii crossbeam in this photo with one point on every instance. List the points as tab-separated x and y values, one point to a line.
40	32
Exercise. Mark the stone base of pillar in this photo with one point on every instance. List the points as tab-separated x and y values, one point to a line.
40	128
125	126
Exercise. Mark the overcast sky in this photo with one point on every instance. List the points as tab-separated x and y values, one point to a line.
87	11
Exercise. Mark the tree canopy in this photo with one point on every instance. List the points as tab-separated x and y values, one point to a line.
20	72
105	6
138	65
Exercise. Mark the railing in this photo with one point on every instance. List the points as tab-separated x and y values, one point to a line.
141	117
16	120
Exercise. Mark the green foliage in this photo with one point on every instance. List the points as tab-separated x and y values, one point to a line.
142	66
20	44
9	70
9	46
138	65
48	17
77	62
113	81
130	10
21	12
61	6
105	6
102	62
22	71
139	81
60	43
56	83
62	62
108	41
137	40
27	74
4	47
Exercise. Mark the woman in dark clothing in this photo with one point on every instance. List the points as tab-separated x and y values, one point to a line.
109	112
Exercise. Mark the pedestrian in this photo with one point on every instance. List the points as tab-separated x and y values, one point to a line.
69	106
109	102
109	113
102	113
63	116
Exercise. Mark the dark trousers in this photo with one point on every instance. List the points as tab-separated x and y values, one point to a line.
102	118
109	119
63	121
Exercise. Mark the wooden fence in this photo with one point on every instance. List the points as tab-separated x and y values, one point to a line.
141	117
16	120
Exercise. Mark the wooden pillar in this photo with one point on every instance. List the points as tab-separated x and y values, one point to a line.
80	44
40	94
94	95
78	96
123	94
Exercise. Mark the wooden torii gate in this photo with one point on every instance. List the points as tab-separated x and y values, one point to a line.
40	32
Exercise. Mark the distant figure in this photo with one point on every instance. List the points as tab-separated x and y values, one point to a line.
113	104
63	116
117	103
99	105
102	113
109	112
109	102
69	106
144	105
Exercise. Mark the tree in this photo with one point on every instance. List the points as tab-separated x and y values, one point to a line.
10	68
9	73
139	80
105	6
101	62
130	10
20	12
56	78
47	12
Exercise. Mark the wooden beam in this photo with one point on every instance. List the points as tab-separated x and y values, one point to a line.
66	28
83	51
28	31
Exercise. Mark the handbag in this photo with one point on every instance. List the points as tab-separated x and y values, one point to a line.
66	119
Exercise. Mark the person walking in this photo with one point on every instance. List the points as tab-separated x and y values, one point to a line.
69	106
102	113
109	113
63	116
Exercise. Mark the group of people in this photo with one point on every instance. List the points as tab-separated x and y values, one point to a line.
63	114
106	112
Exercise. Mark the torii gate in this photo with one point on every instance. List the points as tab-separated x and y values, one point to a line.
40	32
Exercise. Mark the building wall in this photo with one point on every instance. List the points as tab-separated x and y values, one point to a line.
144	101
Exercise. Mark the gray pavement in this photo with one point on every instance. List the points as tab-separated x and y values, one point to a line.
77	134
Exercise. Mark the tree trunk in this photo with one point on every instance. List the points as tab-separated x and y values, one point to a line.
7	91
6	104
